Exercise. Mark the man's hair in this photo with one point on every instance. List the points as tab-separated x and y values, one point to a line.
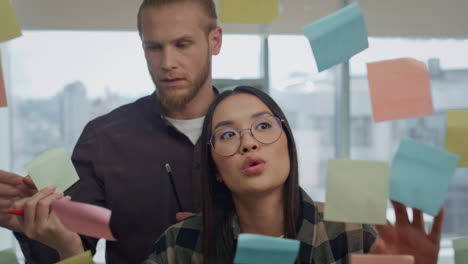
207	5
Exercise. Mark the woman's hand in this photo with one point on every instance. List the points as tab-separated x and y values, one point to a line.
410	238
40	223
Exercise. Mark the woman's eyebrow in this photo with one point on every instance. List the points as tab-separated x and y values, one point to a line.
224	123
230	122
262	113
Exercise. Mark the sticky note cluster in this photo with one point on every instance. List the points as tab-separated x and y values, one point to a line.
419	177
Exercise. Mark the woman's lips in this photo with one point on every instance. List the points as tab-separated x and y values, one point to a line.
255	169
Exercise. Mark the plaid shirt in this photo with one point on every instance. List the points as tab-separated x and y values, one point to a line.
322	242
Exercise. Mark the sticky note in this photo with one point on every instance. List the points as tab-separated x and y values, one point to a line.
381	259
86	219
460	247
456	136
52	167
9	26
259	249
337	37
399	89
3	98
357	191
8	256
248	11
420	175
83	258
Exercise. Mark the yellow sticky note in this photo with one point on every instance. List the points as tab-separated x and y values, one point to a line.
9	26
457	134
3	98
84	258
248	11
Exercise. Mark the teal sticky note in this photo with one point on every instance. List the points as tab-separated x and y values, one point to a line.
8	256
337	37
52	167
259	249
460	247
420	175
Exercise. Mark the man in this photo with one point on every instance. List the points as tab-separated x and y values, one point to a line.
121	157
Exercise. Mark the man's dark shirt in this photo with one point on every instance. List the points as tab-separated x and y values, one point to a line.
120	158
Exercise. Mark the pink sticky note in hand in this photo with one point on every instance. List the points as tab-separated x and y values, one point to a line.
381	259
85	219
399	89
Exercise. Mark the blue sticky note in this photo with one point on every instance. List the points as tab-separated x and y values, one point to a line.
420	175
337	37
259	249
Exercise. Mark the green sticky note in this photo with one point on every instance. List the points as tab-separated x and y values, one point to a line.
9	26
259	249
248	11
337	37
83	258
357	191
460	246
456	135
52	167
8	256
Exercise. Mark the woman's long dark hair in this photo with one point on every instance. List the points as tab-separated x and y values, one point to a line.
218	206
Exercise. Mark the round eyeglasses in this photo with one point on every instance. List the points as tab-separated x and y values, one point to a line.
227	141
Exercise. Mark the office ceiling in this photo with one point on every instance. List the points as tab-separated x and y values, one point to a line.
389	18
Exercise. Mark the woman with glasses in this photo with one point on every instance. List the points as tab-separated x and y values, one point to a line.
250	185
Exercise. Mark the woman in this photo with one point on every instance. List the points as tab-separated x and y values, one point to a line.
250	185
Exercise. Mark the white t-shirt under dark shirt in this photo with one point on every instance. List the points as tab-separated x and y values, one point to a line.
192	128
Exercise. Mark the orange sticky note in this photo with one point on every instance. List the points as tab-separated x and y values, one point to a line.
381	259
9	26
86	219
399	89
3	99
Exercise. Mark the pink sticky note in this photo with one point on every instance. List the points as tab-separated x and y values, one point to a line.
381	259
85	219
3	100
399	89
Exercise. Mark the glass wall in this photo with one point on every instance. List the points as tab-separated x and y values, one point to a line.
59	80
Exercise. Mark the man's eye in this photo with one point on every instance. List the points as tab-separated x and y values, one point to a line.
183	45
153	47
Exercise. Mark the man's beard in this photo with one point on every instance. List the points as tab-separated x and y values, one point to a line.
177	103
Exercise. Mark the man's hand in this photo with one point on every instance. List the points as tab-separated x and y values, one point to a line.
13	187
